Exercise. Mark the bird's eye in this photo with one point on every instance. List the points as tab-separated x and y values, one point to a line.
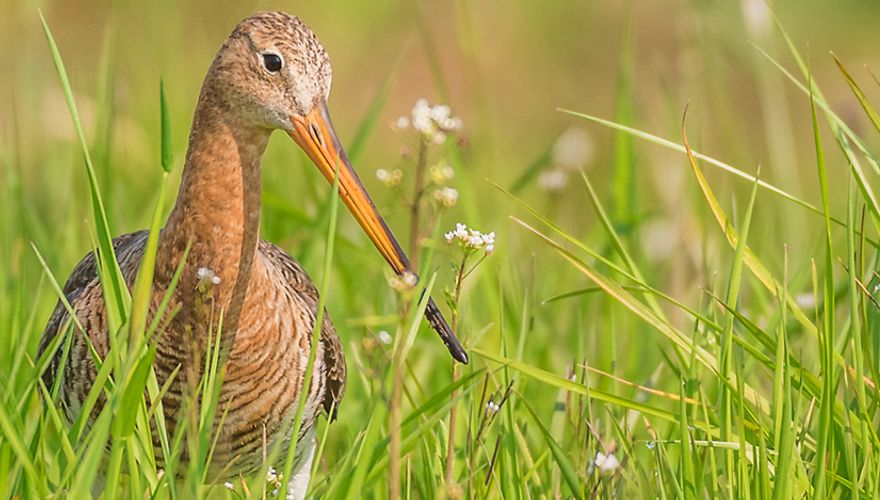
272	62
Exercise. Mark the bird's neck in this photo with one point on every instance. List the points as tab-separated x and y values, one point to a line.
217	213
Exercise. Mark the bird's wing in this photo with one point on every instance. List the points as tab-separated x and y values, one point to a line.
333	360
129	249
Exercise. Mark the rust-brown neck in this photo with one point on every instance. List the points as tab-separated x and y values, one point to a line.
217	212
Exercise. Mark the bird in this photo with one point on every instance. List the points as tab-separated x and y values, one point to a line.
271	73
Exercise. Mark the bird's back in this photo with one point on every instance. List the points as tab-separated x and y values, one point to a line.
79	290
264	367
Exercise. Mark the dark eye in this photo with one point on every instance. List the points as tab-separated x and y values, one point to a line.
272	62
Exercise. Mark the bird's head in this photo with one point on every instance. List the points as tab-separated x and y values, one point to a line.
273	73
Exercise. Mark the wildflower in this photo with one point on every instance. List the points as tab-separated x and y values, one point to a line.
447	196
757	17
404	282
271	475
471	239
660	238
434	122
390	178
574	149
384	337
421	117
228	485
441	174
460	233
806	300
553	180
440	113
492	408
206	278
607	464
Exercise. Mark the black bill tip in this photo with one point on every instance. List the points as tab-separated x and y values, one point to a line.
439	324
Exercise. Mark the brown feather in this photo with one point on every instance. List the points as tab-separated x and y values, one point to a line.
268	303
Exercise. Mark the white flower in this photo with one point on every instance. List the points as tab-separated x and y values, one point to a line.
441	174
471	239
410	279
757	17
384	337
460	232
434	122
390	178
574	149
206	276
660	238
447	196
492	408
421	117
228	485
606	464
402	123
403	282
553	180
805	300
271	475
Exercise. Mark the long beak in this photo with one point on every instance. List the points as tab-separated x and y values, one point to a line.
315	135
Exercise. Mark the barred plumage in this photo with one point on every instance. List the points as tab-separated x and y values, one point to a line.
267	301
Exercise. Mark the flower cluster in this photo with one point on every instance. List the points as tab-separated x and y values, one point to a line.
404	282
492	408
391	178
471	239
434	122
206	279
441	173
446	196
572	151
206	275
385	337
606	464
273	478
553	180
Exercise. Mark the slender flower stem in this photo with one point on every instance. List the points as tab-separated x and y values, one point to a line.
450	445
416	208
396	400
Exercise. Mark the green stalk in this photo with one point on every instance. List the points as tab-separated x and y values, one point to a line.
824	446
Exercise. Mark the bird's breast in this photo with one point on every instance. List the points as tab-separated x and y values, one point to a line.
263	375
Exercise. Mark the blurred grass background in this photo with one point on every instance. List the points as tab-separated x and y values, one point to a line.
504	67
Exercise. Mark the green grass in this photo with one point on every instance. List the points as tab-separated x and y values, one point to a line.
738	363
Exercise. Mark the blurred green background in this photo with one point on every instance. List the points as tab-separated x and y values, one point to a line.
505	67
